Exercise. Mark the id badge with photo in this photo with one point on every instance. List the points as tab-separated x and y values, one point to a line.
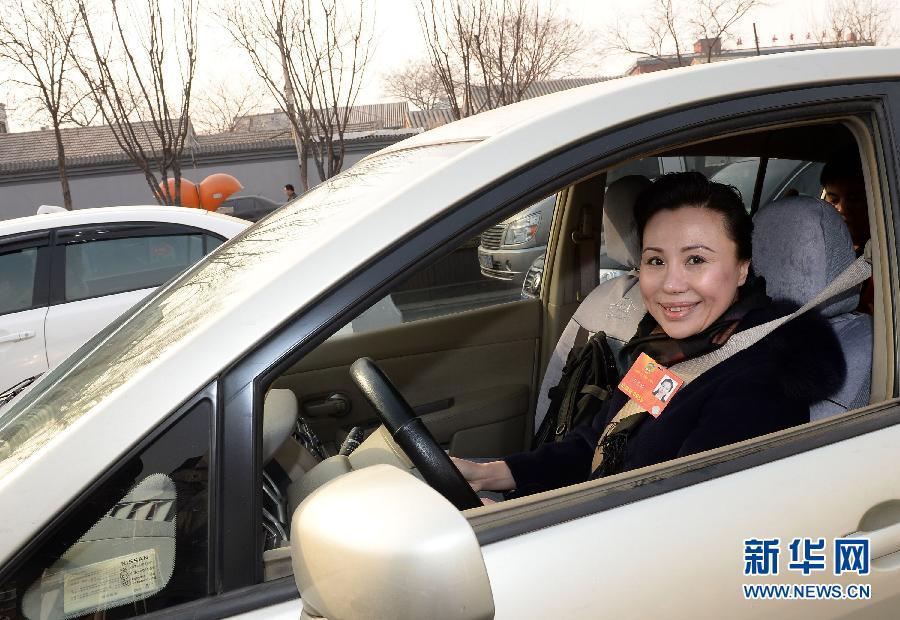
650	385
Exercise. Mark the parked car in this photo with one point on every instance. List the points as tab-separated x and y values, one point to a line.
509	249
157	471
64	276
251	208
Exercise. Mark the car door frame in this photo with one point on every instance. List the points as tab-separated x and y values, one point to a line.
244	383
85	233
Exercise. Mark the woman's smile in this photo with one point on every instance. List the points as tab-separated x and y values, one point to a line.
678	310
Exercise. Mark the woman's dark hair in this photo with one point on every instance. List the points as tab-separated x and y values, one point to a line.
691	189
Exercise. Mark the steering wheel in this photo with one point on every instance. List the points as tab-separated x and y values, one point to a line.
412	435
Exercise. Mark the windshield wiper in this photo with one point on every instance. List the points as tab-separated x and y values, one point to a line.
18	388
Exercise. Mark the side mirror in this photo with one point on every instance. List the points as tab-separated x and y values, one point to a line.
380	543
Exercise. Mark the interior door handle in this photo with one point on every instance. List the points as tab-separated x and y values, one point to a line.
18	336
335	405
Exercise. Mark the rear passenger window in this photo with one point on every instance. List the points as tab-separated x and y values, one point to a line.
105	267
17	271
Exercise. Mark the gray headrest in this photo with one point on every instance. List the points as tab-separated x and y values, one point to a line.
619	230
279	414
799	245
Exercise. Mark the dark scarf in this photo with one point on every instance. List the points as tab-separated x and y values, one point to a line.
667	351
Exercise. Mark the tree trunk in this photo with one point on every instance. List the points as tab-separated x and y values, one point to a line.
304	165
61	166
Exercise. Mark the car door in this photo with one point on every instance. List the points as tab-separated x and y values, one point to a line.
24	279
463	347
688	538
100	271
679	548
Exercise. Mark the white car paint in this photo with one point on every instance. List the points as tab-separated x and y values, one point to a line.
70	325
666	531
302	255
23	348
36	340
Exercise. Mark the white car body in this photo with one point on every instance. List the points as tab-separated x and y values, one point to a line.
672	553
37	339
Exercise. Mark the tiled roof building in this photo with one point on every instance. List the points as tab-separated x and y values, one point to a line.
362	118
539	89
701	53
96	145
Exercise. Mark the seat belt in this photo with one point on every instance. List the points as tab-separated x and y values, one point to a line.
631	413
584	239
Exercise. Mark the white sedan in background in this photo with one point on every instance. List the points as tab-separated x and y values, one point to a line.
65	275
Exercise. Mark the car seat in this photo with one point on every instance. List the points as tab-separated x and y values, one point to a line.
615	306
280	410
799	245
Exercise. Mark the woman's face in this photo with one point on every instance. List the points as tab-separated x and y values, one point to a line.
690	272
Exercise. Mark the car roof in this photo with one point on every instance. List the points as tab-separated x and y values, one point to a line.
200	218
278	277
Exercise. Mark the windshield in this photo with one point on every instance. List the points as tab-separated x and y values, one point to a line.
216	285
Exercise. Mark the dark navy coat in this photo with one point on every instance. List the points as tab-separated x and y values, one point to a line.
766	388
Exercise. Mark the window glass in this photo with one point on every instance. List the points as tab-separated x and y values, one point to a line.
17	271
805	181
484	271
784	177
219	285
137	544
112	266
212	242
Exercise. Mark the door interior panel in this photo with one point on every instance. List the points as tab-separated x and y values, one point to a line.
470	375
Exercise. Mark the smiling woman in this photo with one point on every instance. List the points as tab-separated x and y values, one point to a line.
697	286
693	261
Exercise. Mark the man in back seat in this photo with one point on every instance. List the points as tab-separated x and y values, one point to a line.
844	186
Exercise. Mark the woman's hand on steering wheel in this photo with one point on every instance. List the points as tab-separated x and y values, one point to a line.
412	436
490	476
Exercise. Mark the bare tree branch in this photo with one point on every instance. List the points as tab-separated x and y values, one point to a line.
668	23
847	22
312	57
487	54
37	39
662	38
221	105
127	67
713	20
418	83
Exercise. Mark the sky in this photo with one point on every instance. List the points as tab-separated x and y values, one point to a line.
398	41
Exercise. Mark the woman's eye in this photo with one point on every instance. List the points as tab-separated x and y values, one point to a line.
695	260
655	261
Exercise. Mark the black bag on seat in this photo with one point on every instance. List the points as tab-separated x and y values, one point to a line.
588	380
